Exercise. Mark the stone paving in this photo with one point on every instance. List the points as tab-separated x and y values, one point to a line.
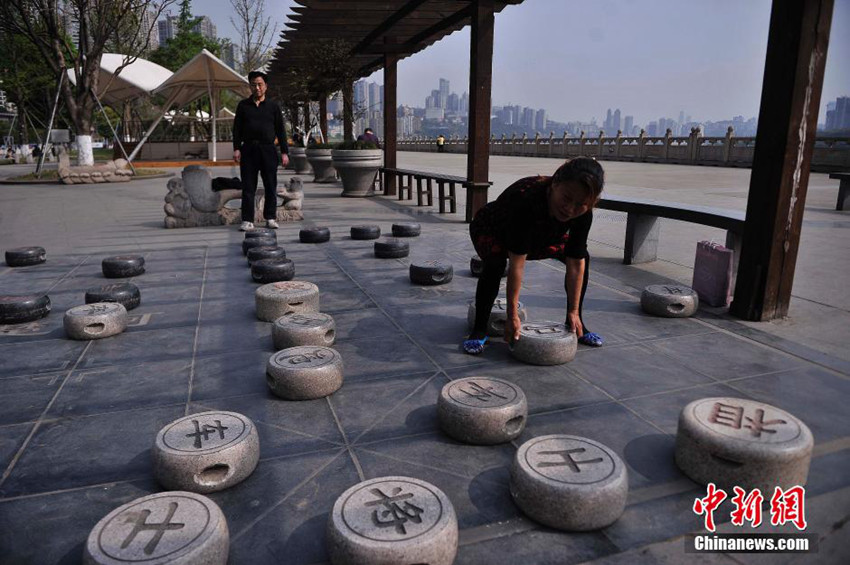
78	419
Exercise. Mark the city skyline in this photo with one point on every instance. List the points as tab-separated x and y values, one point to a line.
651	60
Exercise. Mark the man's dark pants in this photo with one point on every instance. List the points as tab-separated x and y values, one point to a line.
260	159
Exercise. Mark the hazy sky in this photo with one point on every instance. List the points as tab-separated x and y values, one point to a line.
576	58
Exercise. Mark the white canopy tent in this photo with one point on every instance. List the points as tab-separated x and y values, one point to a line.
204	74
136	80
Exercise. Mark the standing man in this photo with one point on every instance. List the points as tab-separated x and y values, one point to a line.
441	143
256	124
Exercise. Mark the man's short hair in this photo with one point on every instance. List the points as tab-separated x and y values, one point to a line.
257	74
368	130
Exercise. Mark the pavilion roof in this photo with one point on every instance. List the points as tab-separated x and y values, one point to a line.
412	25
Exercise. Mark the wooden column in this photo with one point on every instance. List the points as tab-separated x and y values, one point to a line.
791	91
323	116
390	116
348	111
480	82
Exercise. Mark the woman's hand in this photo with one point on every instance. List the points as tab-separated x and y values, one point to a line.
574	323
512	327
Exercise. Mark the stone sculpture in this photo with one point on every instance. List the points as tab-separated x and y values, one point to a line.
191	202
112	171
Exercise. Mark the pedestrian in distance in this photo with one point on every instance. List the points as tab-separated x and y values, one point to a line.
258	122
369	136
536	218
441	143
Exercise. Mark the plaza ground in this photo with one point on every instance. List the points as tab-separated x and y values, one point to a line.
77	420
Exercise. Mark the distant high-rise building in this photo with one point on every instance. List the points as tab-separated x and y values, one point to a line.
375	97
609	118
652	129
206	27
527	119
615	122
453	102
149	27
540	121
463	106
516	115
629	125
361	95
167	28
230	55
444	93
838	118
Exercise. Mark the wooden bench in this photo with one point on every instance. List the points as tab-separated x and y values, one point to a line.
843	190
446	187
643	225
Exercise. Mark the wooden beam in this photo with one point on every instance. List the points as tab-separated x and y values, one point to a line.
390	116
791	90
348	111
388	24
480	84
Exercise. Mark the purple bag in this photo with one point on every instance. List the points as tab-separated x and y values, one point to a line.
713	273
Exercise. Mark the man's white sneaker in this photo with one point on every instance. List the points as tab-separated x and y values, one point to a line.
246	226
272	224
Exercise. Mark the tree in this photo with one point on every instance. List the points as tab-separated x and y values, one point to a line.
255	31
47	25
186	43
27	80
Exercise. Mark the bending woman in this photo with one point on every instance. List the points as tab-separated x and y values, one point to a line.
536	218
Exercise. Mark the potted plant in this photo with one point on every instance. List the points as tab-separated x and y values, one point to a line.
357	163
319	157
298	156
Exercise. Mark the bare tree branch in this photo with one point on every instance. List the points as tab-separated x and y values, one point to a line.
256	32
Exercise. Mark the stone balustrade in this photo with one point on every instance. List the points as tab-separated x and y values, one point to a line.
831	154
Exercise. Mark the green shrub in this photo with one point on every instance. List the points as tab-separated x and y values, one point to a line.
322	146
356	145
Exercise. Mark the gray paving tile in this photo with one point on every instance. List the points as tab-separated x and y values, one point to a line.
122	387
230	374
648	453
546	388
381	357
78	452
11	439
817	396
38	357
52	529
285	427
142	347
723	357
663	409
630	371
294	530
217	337
473	477
25	398
541	547
363	323
398	406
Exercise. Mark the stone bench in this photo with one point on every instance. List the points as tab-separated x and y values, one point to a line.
192	202
643	225
843	190
446	191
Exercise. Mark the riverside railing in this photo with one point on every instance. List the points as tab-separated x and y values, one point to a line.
831	154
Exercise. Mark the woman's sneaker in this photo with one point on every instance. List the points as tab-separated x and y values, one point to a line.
246	226
272	224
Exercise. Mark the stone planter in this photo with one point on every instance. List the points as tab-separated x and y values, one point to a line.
357	169
321	162
298	156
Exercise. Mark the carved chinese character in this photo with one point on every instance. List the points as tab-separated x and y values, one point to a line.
393	514
205	431
141	525
567	459
484	394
